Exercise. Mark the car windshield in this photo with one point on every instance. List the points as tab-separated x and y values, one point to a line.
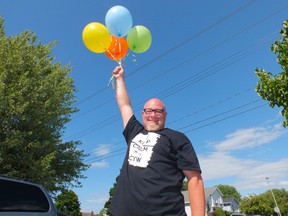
22	197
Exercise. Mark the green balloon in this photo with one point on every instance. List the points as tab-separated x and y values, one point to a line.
139	39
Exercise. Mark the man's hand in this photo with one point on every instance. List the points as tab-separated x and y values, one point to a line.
118	72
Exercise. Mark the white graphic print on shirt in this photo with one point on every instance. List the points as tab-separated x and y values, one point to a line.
141	149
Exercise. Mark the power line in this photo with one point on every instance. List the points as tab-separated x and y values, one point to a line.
228	117
213	25
108	155
116	117
123	150
220	114
193	79
111	154
209	71
119	151
211	105
188	60
185	117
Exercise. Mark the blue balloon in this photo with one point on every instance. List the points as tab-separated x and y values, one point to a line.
118	20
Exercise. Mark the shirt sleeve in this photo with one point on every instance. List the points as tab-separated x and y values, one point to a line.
132	128
185	153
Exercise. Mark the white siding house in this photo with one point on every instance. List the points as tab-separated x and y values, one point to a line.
231	204
187	203
214	199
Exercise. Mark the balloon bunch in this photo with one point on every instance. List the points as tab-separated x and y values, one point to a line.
111	39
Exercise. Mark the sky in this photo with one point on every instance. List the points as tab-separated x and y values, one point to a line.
201	64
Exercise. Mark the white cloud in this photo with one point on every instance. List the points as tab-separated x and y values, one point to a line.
99	200
254	177
92	203
224	164
100	164
249	138
283	183
220	165
102	150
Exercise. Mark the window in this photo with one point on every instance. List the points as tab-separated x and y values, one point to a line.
20	196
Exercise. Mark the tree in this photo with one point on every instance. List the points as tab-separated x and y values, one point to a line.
229	191
68	202
185	186
256	205
111	194
103	212
274	88
264	204
281	195
219	212
36	101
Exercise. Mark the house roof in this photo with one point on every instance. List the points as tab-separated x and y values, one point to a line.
207	192
230	200
210	190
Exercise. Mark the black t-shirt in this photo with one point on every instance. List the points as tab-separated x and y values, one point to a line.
151	177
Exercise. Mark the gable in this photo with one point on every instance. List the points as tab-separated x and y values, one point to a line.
212	191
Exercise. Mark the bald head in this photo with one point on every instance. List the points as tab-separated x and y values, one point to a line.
154	102
154	119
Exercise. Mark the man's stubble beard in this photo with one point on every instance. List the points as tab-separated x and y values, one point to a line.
153	128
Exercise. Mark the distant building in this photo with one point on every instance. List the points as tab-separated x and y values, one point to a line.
231	204
214	199
187	203
88	214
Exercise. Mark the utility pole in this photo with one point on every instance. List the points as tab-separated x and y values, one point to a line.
276	209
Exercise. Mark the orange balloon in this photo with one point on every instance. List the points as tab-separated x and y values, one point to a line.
118	48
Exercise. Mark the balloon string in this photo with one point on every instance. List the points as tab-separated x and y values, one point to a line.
112	80
113	56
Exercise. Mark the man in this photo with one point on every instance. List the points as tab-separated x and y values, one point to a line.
156	163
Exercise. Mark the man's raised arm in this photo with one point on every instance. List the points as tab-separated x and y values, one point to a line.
122	96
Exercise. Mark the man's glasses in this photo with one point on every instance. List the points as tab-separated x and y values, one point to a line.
149	111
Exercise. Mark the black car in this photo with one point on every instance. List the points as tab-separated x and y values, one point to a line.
23	198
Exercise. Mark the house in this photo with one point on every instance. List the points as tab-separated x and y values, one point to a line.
231	204
186	203
214	199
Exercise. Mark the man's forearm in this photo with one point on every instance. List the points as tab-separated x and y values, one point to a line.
121	93
196	196
123	100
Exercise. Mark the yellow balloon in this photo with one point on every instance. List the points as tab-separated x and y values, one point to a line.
96	37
